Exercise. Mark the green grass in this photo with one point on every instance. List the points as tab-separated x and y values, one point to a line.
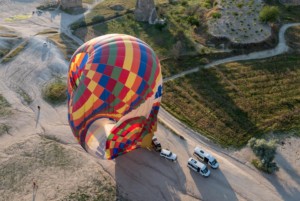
31	156
18	17
47	5
160	40
8	57
182	21
170	66
4	129
287	13
98	190
66	44
234	102
25	96
88	1
55	92
4	106
292	36
103	11
47	31
6	32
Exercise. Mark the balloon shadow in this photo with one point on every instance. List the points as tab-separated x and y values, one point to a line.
215	187
144	175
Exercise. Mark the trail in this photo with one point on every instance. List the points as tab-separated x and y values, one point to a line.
279	49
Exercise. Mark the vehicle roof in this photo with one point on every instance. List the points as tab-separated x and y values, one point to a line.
165	151
205	154
196	162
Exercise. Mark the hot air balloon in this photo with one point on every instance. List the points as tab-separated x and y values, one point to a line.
114	93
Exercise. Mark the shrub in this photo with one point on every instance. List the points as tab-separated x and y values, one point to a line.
265	151
192	20
55	92
216	15
269	14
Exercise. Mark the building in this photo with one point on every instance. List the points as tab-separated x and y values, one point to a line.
65	4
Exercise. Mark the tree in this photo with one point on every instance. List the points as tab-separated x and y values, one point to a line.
265	151
269	14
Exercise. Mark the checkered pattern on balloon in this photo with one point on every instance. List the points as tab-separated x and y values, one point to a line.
118	77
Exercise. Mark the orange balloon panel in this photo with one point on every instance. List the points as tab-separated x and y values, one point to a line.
114	92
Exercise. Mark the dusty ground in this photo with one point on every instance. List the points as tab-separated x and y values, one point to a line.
239	22
29	152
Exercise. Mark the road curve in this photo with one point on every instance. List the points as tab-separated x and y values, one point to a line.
279	49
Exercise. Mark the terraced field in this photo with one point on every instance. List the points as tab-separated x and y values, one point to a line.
233	102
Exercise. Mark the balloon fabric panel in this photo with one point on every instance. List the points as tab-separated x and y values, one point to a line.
109	77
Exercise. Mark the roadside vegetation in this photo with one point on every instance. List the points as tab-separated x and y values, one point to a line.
234	102
55	92
4	106
4	129
66	44
265	152
9	56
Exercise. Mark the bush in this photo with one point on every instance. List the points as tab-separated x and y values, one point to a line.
55	92
192	20
269	14
216	15
265	151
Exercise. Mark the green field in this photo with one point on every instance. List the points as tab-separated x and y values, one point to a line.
233	102
293	37
66	44
173	42
287	13
104	11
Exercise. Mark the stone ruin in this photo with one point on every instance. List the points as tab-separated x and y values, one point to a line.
65	4
145	11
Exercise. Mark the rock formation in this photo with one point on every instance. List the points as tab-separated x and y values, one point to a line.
145	11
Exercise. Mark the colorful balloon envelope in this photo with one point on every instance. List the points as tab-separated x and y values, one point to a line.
114	93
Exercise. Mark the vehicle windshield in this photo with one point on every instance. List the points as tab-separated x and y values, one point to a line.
213	162
205	170
170	154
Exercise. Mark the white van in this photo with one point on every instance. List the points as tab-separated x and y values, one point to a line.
206	157
197	166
